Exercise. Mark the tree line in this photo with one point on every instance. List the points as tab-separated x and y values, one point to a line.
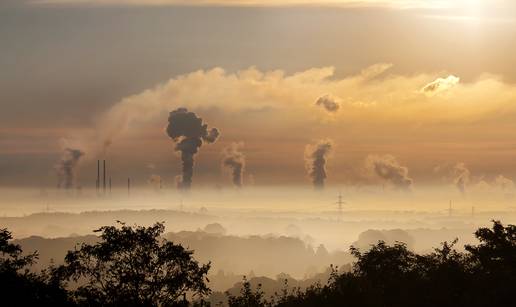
135	266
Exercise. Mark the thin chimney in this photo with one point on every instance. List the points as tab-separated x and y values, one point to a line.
128	186
104	178
98	176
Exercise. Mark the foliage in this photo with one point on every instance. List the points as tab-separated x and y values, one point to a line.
21	287
385	275
132	266
247	296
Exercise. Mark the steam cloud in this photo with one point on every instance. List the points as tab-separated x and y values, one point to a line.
388	168
235	159
155	181
328	102
189	132
66	167
504	183
315	158
461	177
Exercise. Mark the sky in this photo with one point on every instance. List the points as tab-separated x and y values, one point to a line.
427	88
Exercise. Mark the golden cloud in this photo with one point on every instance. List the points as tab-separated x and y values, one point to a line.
390	99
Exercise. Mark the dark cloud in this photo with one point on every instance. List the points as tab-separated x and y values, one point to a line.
189	132
316	157
66	167
328	102
388	169
235	159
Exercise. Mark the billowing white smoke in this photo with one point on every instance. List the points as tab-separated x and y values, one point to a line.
504	183
461	177
388	169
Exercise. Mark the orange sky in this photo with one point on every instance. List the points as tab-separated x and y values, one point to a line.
430	85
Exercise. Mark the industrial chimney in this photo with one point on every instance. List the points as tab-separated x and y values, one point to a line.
104	178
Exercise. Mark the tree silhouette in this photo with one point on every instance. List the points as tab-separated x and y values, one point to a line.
21	287
391	275
132	266
494	262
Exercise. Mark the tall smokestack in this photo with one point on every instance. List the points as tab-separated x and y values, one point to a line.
104	178
98	176
128	186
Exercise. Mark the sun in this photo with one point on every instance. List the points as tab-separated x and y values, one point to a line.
471	7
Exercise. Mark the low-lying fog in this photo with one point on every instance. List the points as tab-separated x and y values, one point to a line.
268	231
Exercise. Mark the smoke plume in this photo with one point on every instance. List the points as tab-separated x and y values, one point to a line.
66	167
388	169
189	132
328	102
461	177
155	181
235	159
315	159
503	183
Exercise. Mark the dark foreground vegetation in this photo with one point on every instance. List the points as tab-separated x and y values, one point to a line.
133	266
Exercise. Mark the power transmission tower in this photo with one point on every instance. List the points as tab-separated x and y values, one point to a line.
340	202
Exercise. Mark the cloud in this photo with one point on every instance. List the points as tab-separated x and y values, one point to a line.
388	169
391	101
375	70
440	85
329	103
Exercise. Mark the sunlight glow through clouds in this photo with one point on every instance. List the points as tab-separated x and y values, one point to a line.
345	3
